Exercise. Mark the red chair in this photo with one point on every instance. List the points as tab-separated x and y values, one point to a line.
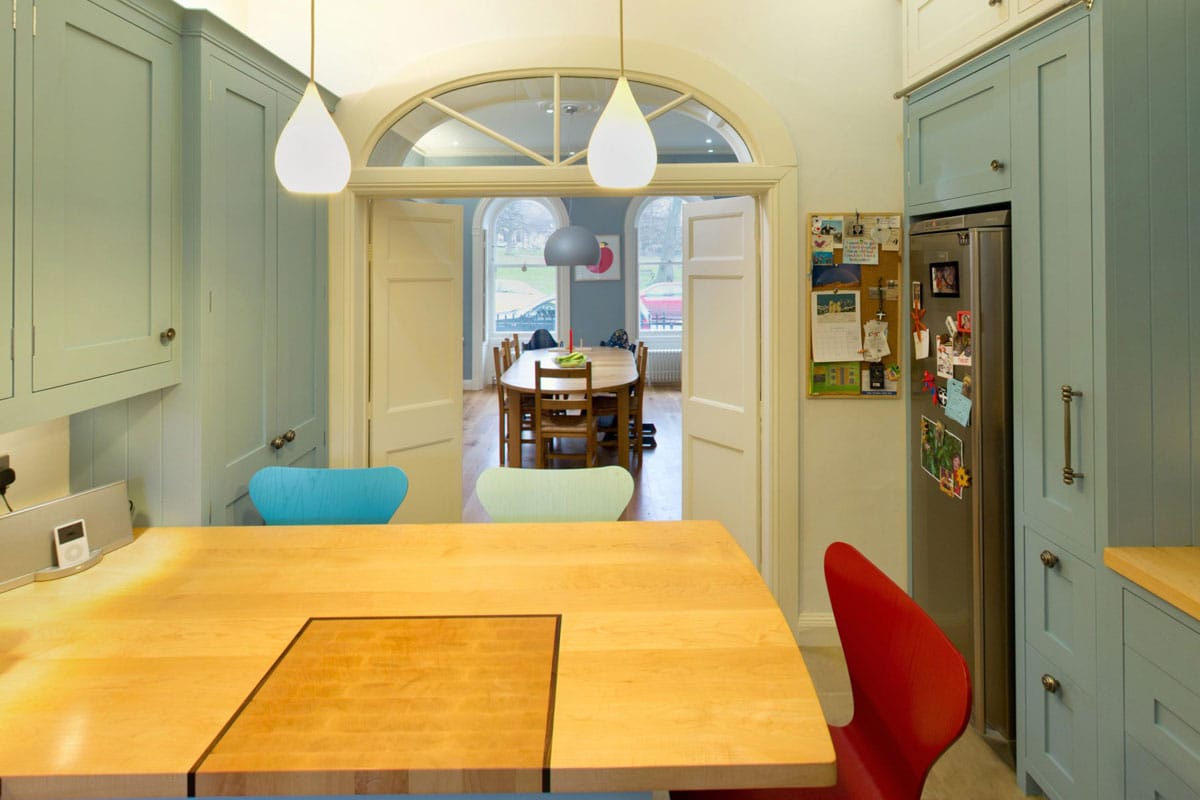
912	691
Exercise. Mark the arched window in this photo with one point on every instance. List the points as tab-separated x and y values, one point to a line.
547	119
522	293
657	290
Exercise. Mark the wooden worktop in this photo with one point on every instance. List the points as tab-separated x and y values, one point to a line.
673	667
1171	573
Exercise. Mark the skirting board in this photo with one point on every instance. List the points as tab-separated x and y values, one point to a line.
817	629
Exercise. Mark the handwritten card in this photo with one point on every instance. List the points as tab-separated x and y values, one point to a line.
860	250
958	405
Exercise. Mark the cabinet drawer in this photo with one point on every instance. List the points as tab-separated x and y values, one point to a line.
1060	730
1162	708
959	140
1147	779
1060	603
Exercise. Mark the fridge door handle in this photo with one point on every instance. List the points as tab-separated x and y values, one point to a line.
1069	475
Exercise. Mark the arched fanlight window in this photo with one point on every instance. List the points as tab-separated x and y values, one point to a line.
547	120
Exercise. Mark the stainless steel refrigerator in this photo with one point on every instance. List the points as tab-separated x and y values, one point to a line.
960	445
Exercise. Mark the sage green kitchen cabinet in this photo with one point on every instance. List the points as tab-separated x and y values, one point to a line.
90	284
253	392
1105	176
7	190
958	139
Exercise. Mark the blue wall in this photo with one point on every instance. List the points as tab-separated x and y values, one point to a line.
597	307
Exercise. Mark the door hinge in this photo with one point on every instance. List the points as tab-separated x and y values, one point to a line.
370	251
14	15
210	301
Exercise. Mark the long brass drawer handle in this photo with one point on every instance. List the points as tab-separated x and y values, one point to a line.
1069	475
1049	559
1050	683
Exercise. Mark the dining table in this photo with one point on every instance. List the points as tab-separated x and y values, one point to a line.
613	370
406	659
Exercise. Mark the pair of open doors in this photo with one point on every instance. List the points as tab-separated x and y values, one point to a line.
415	392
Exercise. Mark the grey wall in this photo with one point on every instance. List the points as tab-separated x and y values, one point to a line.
597	307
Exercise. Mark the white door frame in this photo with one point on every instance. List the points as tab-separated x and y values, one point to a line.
772	179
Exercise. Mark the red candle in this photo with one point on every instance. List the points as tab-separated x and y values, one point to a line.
571	340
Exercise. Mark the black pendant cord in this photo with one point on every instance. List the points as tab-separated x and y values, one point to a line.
621	32
312	41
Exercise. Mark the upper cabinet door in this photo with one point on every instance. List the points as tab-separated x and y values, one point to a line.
104	142
1053	286
958	138
937	31
7	188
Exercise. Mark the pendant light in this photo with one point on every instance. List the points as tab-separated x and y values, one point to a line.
311	156
622	153
571	245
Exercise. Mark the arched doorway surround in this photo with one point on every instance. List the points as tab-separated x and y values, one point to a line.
771	179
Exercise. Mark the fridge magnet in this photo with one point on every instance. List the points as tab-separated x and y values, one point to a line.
941	396
943	278
837	276
958	405
860	250
928	384
945	363
608	268
962	321
962	479
966	386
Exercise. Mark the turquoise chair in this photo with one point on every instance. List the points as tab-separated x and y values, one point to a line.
596	494
304	496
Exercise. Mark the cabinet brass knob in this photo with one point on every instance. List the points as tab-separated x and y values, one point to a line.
167	336
996	165
278	443
1049	559
1050	683
994	2
290	436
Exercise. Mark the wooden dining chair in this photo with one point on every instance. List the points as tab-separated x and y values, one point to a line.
526	432
597	494
319	496
606	408
911	690
564	415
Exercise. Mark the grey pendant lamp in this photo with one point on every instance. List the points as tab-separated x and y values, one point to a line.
573	245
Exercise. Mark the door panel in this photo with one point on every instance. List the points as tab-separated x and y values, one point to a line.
1052	282
416	353
102	226
720	367
244	246
7	188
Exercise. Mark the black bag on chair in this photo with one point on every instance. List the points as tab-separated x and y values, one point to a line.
541	340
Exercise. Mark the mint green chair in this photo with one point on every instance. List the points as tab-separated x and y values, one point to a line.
319	496
596	494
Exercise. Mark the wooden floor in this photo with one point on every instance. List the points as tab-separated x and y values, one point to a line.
656	494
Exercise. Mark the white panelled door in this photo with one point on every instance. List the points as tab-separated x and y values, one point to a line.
720	367
416	353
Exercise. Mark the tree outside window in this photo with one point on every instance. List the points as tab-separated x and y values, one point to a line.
660	265
524	291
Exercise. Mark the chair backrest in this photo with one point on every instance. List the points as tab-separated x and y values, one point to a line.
506	358
315	496
499	372
639	386
579	399
911	687
540	340
512	494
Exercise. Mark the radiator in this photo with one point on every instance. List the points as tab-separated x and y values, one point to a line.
662	367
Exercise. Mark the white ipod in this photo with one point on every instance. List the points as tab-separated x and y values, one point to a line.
71	544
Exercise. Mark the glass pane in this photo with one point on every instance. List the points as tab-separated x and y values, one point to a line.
523	110
660	265
525	294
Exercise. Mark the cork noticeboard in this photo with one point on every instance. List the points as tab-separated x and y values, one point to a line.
854	265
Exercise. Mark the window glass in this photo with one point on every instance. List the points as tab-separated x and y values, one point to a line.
522	111
524	291
660	265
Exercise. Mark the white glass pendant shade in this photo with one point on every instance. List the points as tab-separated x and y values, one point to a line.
622	153
572	246
311	156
